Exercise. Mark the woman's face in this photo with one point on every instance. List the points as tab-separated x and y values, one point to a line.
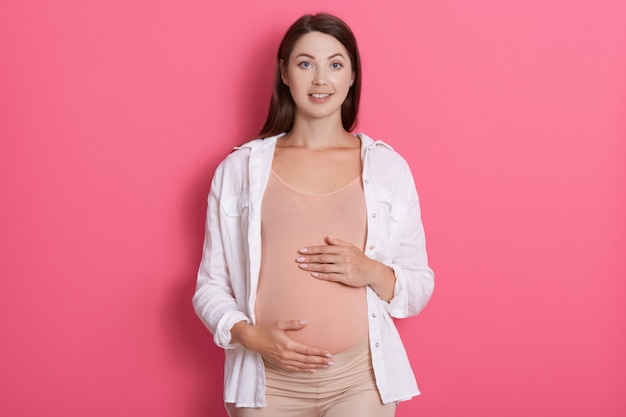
319	75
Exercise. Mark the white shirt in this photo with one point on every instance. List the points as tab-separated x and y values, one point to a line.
229	271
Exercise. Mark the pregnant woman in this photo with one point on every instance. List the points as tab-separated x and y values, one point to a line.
314	242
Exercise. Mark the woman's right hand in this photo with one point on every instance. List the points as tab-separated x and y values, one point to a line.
273	344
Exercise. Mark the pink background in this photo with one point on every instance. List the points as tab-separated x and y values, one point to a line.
114	115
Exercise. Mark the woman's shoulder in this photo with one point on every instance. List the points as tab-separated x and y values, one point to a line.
382	152
241	153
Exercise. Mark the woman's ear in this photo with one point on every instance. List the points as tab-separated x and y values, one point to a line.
283	72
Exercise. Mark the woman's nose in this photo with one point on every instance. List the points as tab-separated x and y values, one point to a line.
320	77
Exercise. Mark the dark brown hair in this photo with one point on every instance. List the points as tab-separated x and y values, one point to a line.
282	107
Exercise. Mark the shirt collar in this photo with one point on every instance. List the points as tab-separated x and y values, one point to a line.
259	145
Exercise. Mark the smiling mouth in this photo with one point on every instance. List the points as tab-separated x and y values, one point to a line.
320	95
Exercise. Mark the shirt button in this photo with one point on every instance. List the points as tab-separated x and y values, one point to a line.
377	345
374	216
366	181
374	315
371	247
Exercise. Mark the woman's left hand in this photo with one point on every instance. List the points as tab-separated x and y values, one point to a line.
342	262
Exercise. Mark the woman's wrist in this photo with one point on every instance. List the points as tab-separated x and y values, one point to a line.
239	332
383	281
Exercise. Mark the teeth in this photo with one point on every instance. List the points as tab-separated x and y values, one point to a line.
320	95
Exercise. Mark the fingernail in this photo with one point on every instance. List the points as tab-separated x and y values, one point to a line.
328	355
330	363
315	274
302	321
303	250
303	265
300	259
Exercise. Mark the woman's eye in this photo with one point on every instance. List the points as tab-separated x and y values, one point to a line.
336	65
305	64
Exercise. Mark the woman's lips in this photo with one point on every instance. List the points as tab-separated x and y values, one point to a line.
319	97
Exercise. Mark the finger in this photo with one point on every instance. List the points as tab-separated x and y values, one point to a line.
302	358
339	278
290	324
311	354
310	366
304	361
326	276
318	249
300	349
326	268
300	367
322	259
336	242
310	361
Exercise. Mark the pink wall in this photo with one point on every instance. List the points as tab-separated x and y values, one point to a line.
114	114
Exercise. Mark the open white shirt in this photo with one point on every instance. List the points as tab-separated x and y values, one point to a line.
229	271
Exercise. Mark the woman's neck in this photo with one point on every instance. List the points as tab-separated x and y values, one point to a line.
318	134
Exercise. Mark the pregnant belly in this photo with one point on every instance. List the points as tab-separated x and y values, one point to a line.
336	314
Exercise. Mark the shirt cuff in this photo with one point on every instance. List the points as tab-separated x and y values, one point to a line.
396	307
223	337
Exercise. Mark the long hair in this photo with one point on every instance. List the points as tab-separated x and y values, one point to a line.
282	110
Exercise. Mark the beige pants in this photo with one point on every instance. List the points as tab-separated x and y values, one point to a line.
347	388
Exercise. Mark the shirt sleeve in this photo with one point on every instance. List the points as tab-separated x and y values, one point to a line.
214	300
414	278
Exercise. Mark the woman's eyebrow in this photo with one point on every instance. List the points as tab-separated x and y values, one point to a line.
305	55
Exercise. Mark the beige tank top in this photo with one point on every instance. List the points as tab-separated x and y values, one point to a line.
290	220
